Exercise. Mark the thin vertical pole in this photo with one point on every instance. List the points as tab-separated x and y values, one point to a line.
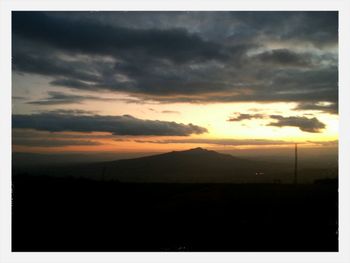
296	164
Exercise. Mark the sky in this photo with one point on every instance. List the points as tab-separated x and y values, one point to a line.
160	81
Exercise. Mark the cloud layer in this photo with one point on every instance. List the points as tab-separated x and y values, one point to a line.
183	56
57	98
117	125
40	142
331	108
305	124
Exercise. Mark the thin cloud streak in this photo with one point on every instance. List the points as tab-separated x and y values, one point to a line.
40	142
223	142
59	98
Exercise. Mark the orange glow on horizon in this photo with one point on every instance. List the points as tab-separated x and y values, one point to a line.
214	117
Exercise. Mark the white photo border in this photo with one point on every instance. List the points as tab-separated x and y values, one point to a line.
342	6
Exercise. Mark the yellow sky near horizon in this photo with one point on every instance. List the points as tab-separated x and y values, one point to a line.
214	117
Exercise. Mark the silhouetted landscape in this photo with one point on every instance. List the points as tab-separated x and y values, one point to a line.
195	200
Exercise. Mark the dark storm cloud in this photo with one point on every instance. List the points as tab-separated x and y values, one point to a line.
96	38
56	98
318	28
45	62
315	27
305	124
184	56
284	57
33	142
117	125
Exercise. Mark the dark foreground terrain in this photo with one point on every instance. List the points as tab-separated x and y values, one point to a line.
67	214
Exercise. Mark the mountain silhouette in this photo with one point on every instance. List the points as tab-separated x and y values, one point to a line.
196	165
190	166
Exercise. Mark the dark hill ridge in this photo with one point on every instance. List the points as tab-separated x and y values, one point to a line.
191	166
196	165
196	154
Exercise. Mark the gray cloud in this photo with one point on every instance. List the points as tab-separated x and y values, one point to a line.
70	112
175	44
284	57
117	125
73	83
305	124
246	116
313	27
165	111
57	98
44	60
36	142
195	57
331	108
318	28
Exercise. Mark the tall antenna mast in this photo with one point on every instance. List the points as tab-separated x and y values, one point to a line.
296	164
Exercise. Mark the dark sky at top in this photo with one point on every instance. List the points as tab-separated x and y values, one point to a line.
184	56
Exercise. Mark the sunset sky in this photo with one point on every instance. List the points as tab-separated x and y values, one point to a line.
161	81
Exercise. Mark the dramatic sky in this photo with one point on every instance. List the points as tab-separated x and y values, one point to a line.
159	81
